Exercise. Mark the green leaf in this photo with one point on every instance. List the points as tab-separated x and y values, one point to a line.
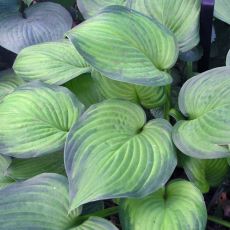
4	164
90	8
118	155
86	89
205	173
9	81
95	223
36	118
21	169
147	96
221	10
204	100
136	50
180	16
38	203
178	206
51	62
27	2
46	21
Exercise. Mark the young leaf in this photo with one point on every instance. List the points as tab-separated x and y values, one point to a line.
147	96
39	203
95	223
221	10
205	173
180	16
51	62
136	50
86	89
90	8
46	21
205	100
9	81
178	206
36	118
21	169
118	155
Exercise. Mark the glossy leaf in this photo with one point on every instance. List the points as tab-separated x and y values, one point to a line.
178	206
9	81
86	89
204	100
90	8
51	62
221	10
43	22
205	173
121	52
36	118
118	155
21	169
147	96
180	16
45	204
95	223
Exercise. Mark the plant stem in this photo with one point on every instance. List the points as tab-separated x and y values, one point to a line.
219	221
176	114
167	105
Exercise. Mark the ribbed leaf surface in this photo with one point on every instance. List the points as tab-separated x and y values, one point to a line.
51	62
147	96
39	203
125	45
205	100
118	155
221	10
4	164
44	22
178	206
36	118
9	81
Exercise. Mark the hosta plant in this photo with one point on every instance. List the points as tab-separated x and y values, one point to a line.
108	125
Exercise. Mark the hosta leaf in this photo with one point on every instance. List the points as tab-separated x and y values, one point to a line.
86	89
21	169
178	206
95	223
221	10
4	164
9	81
205	100
180	16
36	118
118	155
46	21
136	50
51	62
205	173
38	203
90	8
147	96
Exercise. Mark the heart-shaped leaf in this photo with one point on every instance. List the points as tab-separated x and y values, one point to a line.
205	100
21	169
136	50
95	223
178	206
43	22
147	96
221	10
38	203
90	8
180	16
51	62
118	155
9	81
36	118
86	89
205	173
